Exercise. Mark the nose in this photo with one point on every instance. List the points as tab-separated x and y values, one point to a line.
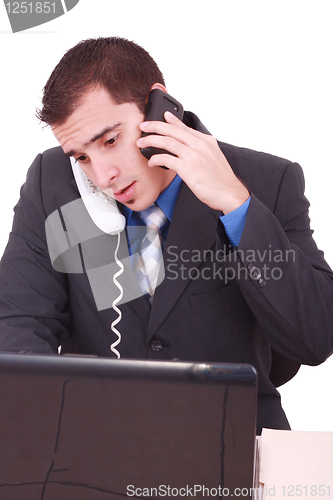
104	172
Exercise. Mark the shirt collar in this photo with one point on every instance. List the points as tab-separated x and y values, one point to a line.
166	200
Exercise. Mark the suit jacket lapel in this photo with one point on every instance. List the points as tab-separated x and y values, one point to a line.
189	214
183	235
101	253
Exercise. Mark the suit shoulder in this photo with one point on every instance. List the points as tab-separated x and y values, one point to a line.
241	158
50	176
54	167
50	160
54	159
262	173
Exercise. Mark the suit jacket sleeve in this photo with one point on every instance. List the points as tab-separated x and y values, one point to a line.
33	297
283	276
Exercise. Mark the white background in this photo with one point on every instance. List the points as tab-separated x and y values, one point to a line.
258	73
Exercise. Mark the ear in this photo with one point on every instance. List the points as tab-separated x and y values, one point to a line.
156	86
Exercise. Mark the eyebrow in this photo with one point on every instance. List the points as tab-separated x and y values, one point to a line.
97	136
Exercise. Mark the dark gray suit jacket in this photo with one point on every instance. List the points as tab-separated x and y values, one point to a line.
271	294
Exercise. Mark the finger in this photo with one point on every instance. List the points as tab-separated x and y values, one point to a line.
171	162
162	142
170	118
174	128
173	120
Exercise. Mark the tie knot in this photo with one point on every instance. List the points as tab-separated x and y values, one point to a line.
153	217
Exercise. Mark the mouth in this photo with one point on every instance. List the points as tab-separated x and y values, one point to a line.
125	194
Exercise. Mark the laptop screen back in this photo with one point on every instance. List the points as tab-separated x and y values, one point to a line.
93	428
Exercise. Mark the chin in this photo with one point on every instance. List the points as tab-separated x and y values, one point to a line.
138	206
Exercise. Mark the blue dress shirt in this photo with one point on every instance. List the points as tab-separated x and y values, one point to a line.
233	222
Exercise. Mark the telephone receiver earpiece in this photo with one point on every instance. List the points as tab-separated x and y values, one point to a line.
102	208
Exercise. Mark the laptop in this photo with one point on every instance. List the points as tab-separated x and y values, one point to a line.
88	428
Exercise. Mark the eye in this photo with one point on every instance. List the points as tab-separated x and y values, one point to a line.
81	158
112	140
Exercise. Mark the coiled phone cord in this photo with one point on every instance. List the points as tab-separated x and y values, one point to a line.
117	299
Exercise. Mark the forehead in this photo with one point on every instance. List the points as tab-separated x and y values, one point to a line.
97	112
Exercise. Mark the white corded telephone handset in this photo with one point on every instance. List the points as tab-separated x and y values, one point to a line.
105	214
102	209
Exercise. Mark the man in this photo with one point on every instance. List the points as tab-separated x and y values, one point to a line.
244	280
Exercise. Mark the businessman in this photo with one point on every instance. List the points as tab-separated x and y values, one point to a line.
243	278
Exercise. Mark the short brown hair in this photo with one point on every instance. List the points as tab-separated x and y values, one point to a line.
120	66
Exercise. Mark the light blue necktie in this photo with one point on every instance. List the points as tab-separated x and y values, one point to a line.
150	255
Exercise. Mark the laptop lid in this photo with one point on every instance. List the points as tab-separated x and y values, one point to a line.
84	428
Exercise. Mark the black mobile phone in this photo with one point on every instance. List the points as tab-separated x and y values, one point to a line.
158	103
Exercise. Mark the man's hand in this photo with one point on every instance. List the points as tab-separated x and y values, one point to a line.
198	161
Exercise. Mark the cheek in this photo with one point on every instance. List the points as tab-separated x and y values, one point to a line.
132	156
153	175
136	164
